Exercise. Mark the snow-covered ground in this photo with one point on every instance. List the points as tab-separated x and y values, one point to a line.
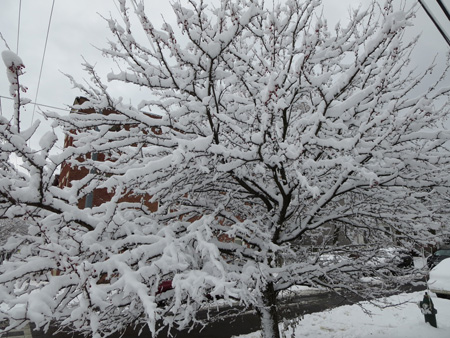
405	321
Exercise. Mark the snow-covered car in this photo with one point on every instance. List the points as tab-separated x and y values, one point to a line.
439	279
438	256
399	257
394	256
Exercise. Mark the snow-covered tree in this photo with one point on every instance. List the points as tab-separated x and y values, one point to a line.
276	136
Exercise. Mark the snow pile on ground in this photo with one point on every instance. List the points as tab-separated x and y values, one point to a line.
405	321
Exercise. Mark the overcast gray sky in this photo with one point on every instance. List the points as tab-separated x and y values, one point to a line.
76	27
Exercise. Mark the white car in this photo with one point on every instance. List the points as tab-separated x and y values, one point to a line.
439	279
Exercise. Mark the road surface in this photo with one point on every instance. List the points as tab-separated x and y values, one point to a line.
227	321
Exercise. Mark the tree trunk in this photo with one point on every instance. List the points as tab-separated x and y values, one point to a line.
268	313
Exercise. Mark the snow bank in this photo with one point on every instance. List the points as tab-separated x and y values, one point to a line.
405	321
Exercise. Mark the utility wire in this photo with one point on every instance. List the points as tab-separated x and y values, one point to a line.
444	9
117	7
431	16
42	63
36	104
18	27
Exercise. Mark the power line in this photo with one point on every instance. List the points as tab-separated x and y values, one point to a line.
37	104
435	22
43	58
444	9
117	7
18	27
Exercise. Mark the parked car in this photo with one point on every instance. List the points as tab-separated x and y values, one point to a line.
439	279
164	293
399	257
164	286
438	256
393	257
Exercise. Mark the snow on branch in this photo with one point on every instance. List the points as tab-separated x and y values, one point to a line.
276	153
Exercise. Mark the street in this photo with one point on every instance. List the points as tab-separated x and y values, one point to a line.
227	322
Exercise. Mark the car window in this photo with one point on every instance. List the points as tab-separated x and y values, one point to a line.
442	253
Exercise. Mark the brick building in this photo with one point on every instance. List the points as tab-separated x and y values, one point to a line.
96	198
71	173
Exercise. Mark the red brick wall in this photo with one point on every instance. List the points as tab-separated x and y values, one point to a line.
100	196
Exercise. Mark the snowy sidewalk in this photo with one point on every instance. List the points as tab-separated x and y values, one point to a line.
405	321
